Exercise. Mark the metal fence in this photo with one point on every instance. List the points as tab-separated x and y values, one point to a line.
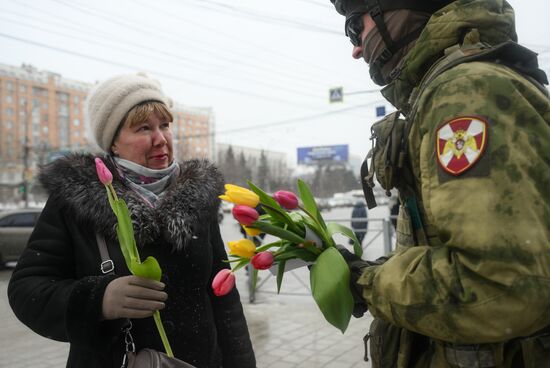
380	233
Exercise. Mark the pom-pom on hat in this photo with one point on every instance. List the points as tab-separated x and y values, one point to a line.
109	101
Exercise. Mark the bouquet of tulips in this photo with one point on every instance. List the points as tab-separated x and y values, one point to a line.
303	235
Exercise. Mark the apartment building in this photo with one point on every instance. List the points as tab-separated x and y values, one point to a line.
42	117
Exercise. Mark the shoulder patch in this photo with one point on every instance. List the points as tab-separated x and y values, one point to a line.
460	142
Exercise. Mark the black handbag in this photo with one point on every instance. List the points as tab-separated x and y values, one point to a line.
145	358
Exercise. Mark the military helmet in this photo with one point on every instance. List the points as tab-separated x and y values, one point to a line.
353	10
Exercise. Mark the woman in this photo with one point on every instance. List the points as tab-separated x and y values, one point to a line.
58	289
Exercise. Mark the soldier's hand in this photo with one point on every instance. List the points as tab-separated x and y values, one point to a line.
132	297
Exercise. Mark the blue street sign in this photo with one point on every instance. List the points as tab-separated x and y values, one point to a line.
380	111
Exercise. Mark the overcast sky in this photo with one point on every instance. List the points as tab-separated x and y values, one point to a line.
265	67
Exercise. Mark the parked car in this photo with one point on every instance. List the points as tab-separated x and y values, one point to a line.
15	229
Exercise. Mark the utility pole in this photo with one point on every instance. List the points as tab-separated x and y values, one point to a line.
26	149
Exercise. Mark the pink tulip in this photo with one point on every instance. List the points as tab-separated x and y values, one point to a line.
245	215
262	260
223	282
103	172
286	199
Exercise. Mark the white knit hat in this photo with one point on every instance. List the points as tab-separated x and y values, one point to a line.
109	101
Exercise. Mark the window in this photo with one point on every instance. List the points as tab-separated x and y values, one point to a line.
9	99
76	122
9	111
76	99
9	85
37	91
22	88
9	124
63	97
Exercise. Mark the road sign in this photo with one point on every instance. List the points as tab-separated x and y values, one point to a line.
380	111
336	94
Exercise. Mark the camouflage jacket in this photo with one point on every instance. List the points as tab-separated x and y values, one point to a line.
479	151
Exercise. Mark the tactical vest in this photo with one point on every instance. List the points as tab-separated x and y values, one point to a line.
389	155
392	346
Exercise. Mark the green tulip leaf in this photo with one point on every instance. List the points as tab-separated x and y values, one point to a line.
280	274
278	232
254	278
149	269
125	230
272	207
301	253
124	246
111	201
330	286
333	228
241	264
309	202
264	247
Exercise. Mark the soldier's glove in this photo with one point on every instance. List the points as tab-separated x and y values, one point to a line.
356	266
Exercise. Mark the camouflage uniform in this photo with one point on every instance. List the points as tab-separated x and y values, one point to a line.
478	272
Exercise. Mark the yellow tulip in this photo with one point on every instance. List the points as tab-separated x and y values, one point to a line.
244	248
250	231
240	195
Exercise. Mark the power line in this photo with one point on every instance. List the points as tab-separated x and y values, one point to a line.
242	41
239	60
238	63
152	56
231	9
154	72
284	122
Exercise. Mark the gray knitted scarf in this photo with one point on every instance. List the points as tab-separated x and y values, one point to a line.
149	184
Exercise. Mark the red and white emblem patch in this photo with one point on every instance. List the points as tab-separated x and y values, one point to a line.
460	143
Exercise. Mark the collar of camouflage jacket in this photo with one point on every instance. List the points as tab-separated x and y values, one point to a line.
493	19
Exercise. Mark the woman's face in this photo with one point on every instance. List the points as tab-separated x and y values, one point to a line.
148	144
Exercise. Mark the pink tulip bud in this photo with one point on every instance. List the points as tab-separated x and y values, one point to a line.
245	215
286	199
103	172
223	282
262	260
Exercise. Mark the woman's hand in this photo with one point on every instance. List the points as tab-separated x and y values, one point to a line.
132	297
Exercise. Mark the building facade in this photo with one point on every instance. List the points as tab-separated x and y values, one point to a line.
42	117
193	132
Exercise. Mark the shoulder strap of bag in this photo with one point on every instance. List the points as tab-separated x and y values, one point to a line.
107	265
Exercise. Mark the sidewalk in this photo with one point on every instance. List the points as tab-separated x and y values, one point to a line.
289	331
286	331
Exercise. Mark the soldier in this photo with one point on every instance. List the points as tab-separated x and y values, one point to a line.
469	282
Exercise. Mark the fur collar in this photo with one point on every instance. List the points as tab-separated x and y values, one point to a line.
192	202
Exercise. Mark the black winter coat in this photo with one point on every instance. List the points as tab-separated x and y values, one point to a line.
57	287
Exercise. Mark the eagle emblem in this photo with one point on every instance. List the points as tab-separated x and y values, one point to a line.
460	143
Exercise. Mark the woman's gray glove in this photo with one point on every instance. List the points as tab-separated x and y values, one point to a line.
132	297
